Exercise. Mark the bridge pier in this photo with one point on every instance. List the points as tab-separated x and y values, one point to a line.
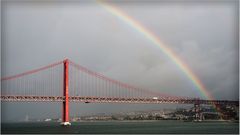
65	112
197	111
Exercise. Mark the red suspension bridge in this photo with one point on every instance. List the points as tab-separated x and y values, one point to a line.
66	81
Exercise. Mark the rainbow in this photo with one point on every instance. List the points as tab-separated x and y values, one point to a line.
157	42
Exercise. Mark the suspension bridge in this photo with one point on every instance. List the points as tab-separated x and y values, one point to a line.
66	81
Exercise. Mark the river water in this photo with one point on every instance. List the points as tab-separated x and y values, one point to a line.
128	127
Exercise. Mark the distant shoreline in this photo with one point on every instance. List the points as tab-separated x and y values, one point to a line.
155	121
206	121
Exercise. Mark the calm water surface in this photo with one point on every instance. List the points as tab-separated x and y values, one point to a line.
124	127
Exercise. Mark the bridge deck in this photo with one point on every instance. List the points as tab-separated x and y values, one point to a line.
116	100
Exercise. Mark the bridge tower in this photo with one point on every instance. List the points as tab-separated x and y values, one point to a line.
65	111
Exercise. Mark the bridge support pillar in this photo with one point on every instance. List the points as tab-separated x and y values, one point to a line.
197	111
65	112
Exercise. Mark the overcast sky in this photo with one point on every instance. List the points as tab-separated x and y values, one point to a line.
203	34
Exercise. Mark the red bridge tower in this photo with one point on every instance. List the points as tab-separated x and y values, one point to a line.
65	112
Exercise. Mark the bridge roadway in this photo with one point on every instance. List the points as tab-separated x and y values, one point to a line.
117	100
